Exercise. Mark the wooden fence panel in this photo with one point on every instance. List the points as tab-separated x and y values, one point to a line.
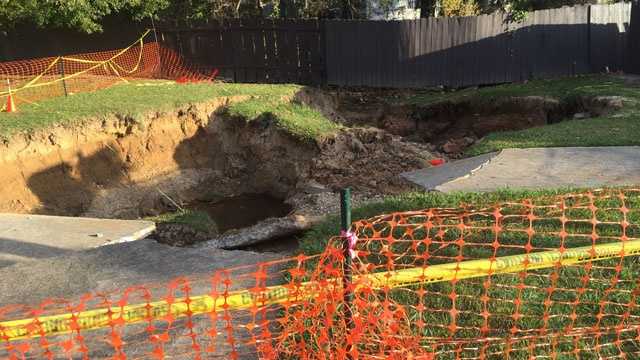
608	32
271	61
458	52
251	50
632	58
451	52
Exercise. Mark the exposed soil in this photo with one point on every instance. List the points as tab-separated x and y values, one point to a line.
118	167
369	160
451	127
180	234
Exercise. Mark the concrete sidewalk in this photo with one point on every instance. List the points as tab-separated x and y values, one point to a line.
535	168
25	237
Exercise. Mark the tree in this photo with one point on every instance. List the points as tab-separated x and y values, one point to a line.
84	15
459	8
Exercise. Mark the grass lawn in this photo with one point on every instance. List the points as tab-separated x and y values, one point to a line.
621	128
298	119
137	97
315	240
198	220
134	98
579	292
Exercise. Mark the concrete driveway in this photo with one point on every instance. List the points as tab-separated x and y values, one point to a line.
535	168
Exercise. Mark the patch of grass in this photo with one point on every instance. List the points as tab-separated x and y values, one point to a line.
298	119
562	88
315	240
621	130
617	129
198	220
137	97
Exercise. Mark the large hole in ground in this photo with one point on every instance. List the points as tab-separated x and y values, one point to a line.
202	220
198	156
201	158
452	126
241	211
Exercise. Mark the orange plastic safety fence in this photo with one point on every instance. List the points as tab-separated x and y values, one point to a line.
30	81
551	278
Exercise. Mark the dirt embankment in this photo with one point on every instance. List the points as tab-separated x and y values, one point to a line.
452	126
126	168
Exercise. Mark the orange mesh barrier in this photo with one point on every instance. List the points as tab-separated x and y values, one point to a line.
553	278
30	81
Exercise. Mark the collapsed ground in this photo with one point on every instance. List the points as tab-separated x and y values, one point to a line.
149	149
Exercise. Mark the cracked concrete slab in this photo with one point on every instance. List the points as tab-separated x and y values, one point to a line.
24	237
114	268
535	168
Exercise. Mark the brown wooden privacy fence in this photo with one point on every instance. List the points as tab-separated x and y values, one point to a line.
263	51
452	52
633	63
486	49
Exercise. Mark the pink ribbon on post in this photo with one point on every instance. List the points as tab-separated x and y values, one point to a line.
353	239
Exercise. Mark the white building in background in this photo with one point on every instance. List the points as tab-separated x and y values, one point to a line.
392	10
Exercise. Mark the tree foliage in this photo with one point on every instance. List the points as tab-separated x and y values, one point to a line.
459	8
84	15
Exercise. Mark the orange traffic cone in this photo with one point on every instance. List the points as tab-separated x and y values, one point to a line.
11	105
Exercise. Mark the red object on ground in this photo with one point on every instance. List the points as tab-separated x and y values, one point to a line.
11	106
436	162
182	79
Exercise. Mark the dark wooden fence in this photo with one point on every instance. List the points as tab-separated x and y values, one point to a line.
633	49
478	50
262	51
453	52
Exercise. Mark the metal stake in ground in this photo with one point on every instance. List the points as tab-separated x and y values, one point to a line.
61	68
345	216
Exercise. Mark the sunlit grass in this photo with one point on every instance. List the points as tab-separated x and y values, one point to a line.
616	129
137	98
198	220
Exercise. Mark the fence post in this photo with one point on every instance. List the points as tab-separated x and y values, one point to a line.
345	225
61	69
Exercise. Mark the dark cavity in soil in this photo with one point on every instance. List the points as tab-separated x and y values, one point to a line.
452	126
231	213
242	211
288	245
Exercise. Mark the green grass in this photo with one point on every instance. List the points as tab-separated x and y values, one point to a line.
273	102
563	88
198	220
597	296
315	240
298	119
617	129
136	98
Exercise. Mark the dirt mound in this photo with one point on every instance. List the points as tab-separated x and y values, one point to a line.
368	159
180	234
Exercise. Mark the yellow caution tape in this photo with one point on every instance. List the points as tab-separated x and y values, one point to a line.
243	299
96	64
